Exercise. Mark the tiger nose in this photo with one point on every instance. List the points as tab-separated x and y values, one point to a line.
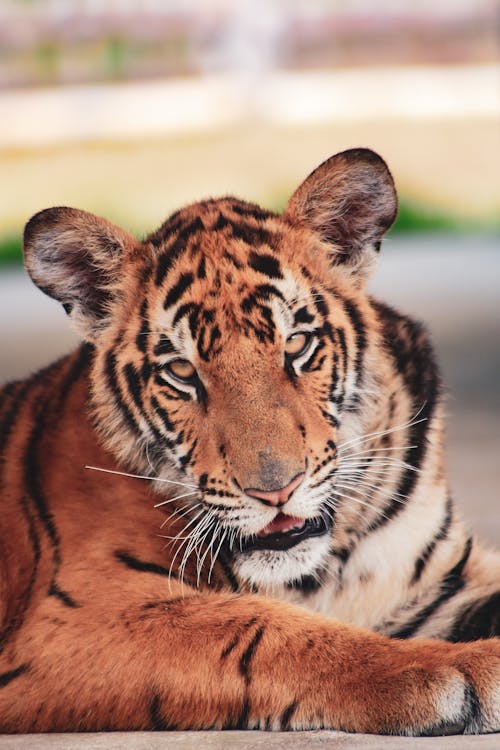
276	497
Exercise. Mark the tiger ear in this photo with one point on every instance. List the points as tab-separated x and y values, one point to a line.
76	258
350	201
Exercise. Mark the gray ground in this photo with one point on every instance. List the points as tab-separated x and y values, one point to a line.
451	283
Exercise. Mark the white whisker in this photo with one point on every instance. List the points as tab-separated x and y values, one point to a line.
377	450
141	476
413	421
178	497
184	510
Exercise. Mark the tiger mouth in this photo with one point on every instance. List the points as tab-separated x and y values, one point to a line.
281	540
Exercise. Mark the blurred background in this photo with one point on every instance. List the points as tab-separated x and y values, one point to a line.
131	108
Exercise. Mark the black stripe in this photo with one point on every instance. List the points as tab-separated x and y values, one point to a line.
307	584
63	596
222	222
361	338
143	567
472	704
234	261
32	478
249	653
231	578
134	385
451	584
173	252
10	418
251	210
164	346
266	264
243	718
414	457
255	236
478	620
141	340
408	345
158	723
167	230
209	348
302	316
169	389
287	716
262	292
201	272
112	382
176	292
166	421
308	364
230	647
7	677
191	309
17	618
47	413
186	459
440	535
38	380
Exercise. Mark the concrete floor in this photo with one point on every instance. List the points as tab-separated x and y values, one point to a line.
451	284
317	740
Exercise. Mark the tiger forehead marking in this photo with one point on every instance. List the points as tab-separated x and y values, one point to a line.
234	293
225	269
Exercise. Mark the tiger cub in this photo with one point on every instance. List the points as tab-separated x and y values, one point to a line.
229	508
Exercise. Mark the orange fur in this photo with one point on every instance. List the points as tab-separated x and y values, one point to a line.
181	602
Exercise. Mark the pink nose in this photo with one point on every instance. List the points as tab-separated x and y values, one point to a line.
276	497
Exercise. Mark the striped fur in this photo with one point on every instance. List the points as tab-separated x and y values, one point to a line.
231	355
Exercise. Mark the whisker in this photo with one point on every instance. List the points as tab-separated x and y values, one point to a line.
370	461
180	533
361	502
411	423
140	476
178	497
377	450
186	508
214	558
371	489
183	542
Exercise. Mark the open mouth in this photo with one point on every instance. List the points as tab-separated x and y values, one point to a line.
285	532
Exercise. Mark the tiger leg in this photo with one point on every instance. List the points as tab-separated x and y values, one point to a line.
196	661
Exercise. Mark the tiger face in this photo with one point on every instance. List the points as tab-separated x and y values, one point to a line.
234	349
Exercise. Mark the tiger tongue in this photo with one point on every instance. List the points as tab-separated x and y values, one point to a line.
282	523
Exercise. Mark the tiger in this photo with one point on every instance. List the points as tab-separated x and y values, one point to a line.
228	508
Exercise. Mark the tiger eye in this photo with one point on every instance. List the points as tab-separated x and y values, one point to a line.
297	343
181	369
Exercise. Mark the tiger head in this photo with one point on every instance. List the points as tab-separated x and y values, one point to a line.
234	348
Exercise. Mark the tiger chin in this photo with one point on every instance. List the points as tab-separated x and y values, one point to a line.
229	507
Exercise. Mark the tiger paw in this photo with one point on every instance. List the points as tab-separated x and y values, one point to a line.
438	689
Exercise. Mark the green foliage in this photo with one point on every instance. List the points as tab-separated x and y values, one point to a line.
414	217
11	250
